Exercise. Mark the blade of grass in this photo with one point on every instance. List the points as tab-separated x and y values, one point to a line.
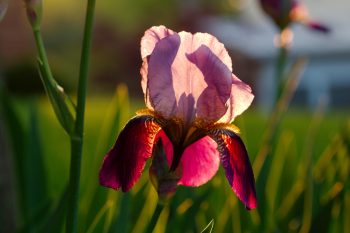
291	198
308	154
273	180
122	221
28	156
328	154
114	198
307	211
346	211
236	218
149	209
35	220
116	116
35	190
99	216
162	222
229	207
155	218
17	140
55	220
209	227
300	184
277	114
8	200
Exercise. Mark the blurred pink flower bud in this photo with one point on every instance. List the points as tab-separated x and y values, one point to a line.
34	12
3	8
285	12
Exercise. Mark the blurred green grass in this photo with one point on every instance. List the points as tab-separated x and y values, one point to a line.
295	195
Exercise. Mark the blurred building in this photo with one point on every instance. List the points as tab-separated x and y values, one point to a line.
327	75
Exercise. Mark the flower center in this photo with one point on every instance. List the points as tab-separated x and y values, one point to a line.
182	137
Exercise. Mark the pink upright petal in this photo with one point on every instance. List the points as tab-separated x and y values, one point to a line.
148	42
124	163
151	38
188	77
199	162
240	99
160	79
235	160
211	102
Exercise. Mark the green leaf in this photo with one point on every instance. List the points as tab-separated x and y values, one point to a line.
122	221
48	218
209	227
115	117
34	184
273	188
61	103
55	220
28	159
277	115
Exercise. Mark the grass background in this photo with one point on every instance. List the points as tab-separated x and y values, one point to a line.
303	185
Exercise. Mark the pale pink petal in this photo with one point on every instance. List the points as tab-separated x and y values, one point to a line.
124	163
151	38
160	79
187	77
240	99
211	103
148	42
199	162
235	160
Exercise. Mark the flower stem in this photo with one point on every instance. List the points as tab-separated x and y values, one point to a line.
42	53
276	116
280	71
154	219
77	136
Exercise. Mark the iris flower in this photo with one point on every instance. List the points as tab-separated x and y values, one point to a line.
191	97
284	12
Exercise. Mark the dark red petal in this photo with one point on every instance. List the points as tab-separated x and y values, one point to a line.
235	160
318	26
124	163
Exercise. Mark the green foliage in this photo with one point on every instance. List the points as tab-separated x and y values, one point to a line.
61	103
306	189
209	227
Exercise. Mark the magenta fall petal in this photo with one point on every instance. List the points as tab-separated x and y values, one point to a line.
235	160
124	163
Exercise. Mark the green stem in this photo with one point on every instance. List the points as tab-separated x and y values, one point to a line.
154	219
280	71
77	137
42	54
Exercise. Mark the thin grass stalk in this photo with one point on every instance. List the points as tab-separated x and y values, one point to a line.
307	154
272	188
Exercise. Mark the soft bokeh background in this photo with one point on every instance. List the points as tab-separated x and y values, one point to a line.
303	185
